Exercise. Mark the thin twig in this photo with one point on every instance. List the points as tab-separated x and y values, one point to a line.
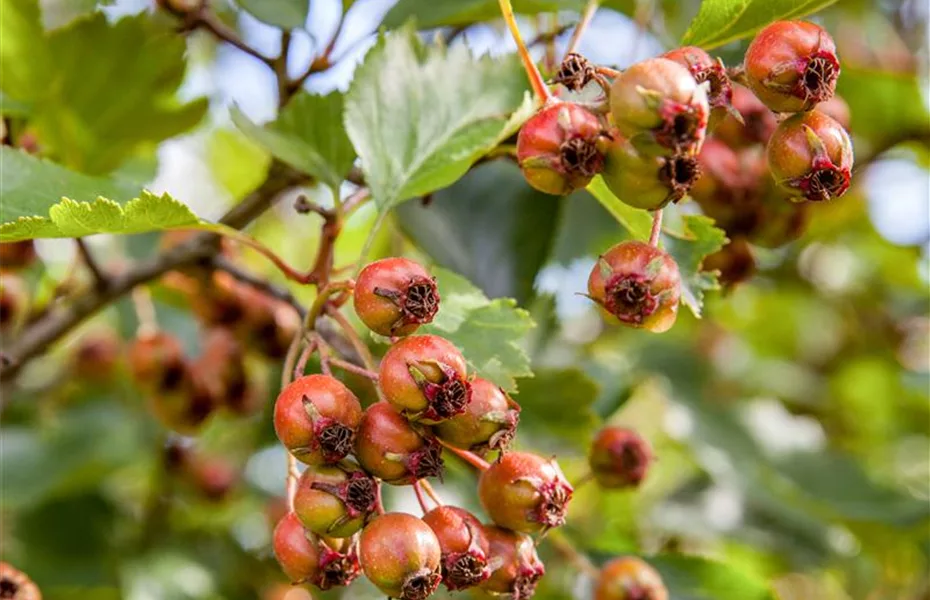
582	26
209	21
100	280
222	263
656	228
347	366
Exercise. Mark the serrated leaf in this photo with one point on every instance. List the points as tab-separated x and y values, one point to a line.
420	116
76	113
722	21
559	404
694	578
437	13
308	135
488	332
286	14
637	222
698	238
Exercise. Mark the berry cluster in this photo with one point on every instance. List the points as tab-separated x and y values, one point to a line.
337	526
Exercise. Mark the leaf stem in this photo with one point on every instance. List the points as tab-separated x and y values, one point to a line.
582	26
656	228
540	89
469	457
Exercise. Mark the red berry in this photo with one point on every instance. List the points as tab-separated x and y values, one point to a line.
401	556
647	181
158	363
734	263
424	377
792	66
637	284
619	458
525	492
330	501
560	148
629	578
394	296
304	558
464	546
758	122
810	155
731	186
222	364
519	568
16	585
706	69
388	447
488	423
659	106
14	301
316	418
17	255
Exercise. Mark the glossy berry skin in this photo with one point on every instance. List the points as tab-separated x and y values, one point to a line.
525	492
560	148
316	418
791	66
704	68
332	502
17	255
758	122
619	458
638	285
488	423
629	578
304	558
810	156
734	263
519	569
464	546
423	376
401	556
659	106
646	181
389	447
394	296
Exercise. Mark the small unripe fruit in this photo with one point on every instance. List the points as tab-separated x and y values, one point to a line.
14	302
394	296
316	418
424	377
638	285
525	492
488	423
659	106
185	407
792	66
16	585
401	556
629	578
388	447
810	155
519	568
464	546
560	148
619	458
758	124
332	502
706	69
647	181
734	263
304	558
17	255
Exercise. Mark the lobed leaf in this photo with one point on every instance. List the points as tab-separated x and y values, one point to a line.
698	238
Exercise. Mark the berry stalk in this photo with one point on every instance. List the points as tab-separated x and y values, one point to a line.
469	457
656	228
540	89
586	18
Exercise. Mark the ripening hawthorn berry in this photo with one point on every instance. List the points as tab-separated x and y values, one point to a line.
619	457
17	255
187	406
14	301
316	418
401	556
706	69
638	285
731	186
518	568
394	296
97	356
389	447
525	492
647	181
222	363
330	501
629	578
424	377
758	122
16	585
304	558
464	546
488	423
659	106
158	363
734	263
792	66
811	156
561	148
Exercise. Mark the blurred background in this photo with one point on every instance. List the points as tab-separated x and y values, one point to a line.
792	422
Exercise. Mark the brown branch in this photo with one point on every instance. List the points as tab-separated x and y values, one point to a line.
100	280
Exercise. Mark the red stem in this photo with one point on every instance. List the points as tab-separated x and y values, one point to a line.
656	228
347	366
428	488
532	71
469	457
419	492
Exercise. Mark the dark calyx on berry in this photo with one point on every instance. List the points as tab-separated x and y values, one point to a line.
335	439
575	72
420	584
819	80
682	126
553	504
337	569
358	492
629	298
427	461
679	173
464	570
418	302
447	398
580	156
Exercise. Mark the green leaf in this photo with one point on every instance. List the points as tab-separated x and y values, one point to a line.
286	14
489	226
722	21
884	106
559	404
488	332
437	13
78	115
60	13
308	135
698	238
637	222
237	163
694	578
420	117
